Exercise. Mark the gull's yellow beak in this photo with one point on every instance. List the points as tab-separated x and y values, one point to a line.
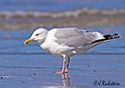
28	41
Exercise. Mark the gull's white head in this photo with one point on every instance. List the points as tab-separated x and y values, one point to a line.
38	36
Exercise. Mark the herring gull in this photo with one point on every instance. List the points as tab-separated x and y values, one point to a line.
66	42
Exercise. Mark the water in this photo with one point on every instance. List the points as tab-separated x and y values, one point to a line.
30	66
57	5
31	14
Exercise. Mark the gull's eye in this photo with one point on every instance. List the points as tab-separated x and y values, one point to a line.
37	34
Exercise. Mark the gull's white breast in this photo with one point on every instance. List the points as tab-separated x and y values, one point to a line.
53	47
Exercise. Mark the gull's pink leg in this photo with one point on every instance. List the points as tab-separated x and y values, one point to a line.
63	69
66	71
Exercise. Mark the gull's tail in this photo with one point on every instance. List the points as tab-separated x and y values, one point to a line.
107	38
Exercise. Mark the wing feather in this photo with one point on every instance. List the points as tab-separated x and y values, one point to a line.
75	37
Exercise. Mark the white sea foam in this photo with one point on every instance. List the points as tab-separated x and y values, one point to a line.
71	13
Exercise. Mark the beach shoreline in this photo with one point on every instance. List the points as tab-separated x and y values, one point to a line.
84	17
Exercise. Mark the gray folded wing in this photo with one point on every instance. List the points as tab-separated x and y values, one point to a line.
74	37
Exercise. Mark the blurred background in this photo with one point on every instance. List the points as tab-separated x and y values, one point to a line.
32	67
30	14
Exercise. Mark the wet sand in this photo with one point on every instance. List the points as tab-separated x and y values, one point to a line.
31	67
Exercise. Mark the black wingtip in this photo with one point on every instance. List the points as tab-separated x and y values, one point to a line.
111	36
115	34
107	37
